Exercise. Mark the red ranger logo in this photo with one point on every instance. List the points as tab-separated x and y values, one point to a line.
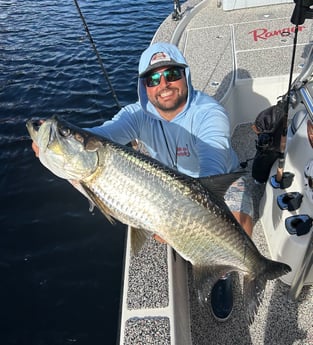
264	34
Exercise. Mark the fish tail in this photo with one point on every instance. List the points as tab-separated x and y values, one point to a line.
253	287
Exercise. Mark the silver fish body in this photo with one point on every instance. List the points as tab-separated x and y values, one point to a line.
152	198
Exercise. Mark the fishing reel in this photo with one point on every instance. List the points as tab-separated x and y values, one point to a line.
305	3
176	15
302	11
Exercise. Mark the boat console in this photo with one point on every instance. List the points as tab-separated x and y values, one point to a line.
229	5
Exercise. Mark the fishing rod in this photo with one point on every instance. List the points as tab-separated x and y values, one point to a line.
301	11
98	55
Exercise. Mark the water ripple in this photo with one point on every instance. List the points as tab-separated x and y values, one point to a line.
60	264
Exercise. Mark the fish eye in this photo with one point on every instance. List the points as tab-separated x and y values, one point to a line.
64	131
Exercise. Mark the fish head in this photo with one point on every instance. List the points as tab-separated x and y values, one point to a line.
68	151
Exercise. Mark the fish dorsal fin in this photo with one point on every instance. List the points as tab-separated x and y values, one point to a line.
218	184
102	207
137	239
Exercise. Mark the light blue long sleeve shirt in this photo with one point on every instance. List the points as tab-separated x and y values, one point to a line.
196	142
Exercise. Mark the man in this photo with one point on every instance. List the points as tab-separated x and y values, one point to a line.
186	130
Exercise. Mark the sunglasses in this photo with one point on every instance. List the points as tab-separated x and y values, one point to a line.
170	75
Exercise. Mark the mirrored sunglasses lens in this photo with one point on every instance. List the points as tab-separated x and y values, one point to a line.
172	74
153	79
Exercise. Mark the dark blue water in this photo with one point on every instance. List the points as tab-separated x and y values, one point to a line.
60	265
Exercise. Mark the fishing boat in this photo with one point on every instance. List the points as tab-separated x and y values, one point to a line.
256	58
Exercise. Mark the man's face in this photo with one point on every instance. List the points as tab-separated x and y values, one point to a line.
167	90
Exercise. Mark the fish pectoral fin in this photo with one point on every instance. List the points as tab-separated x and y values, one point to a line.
96	201
137	239
204	278
82	190
106	212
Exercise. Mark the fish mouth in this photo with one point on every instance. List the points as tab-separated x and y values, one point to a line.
34	124
42	132
33	128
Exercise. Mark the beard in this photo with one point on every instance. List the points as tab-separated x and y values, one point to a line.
172	104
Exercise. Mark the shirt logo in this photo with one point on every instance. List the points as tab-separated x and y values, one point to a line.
182	151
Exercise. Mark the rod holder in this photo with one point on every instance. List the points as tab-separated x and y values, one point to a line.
298	225
289	201
285	182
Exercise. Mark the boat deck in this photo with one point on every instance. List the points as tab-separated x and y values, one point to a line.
224	46
240	48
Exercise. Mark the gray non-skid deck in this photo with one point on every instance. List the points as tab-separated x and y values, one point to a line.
213	38
209	42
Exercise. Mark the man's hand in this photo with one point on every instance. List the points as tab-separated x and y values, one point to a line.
158	238
35	149
34	145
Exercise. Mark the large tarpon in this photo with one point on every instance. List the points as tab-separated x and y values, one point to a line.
152	198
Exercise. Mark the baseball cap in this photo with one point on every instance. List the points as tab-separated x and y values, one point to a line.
160	59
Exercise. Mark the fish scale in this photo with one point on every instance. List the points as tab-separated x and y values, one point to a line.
127	200
139	202
140	192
